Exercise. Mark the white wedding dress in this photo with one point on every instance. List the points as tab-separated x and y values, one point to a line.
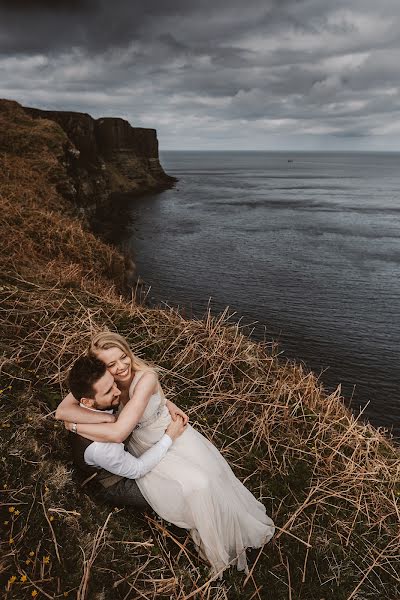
194	487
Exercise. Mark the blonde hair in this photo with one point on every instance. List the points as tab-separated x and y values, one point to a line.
108	339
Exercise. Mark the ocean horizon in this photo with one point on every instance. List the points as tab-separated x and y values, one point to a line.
304	245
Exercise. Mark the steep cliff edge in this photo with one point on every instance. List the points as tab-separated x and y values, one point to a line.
72	162
105	156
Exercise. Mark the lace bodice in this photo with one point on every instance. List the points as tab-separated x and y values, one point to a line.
154	407
153	423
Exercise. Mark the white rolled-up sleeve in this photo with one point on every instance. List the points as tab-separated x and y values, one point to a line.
113	458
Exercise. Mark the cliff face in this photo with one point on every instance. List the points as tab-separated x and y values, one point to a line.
105	156
32	173
87	161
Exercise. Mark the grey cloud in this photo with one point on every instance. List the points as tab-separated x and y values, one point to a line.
204	68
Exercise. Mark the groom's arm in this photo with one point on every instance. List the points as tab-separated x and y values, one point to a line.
113	458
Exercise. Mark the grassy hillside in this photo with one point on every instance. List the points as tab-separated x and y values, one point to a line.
330	482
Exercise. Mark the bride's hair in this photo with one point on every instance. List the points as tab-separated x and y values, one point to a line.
108	339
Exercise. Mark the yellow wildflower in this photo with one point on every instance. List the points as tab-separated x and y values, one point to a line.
6	522
34	593
5	486
28	561
31	553
11	508
12	579
11	541
23	578
46	560
16	513
51	518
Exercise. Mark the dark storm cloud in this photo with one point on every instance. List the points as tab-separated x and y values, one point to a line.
96	24
205	73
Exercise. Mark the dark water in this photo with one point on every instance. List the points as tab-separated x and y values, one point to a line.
307	244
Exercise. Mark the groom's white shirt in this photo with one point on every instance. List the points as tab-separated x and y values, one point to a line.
112	456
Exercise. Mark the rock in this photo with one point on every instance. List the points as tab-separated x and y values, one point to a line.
95	164
105	156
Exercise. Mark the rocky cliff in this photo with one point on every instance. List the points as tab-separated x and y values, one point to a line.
105	156
88	162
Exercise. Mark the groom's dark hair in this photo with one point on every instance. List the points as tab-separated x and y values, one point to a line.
83	375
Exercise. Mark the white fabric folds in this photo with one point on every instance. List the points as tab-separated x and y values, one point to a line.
194	487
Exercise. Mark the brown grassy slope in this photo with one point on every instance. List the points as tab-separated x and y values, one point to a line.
39	233
330	482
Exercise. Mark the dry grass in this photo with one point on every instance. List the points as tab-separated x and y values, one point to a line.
330	481
40	231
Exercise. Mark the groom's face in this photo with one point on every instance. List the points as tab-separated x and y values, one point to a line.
106	393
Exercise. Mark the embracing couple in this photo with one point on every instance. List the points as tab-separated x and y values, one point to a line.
168	464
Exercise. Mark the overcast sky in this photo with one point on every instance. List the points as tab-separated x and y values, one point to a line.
242	75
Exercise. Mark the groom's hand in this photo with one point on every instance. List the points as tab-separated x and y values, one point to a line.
175	412
175	428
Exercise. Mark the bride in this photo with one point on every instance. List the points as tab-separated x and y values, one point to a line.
193	485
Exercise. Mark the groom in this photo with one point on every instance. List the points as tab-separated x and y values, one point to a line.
108	462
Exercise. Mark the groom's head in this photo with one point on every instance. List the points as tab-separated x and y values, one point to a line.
91	384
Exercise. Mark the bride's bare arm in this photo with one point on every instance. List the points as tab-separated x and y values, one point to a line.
69	410
128	417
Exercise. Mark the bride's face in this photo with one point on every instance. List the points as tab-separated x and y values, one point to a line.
118	364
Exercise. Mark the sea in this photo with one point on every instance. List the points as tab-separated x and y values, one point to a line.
304	248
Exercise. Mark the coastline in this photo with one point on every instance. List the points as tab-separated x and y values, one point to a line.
279	242
330	482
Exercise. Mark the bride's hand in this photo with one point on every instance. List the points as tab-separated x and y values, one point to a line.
174	411
109	418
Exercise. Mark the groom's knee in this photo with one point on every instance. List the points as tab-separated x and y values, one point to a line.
125	493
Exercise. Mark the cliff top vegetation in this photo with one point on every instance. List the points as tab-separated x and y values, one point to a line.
329	481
